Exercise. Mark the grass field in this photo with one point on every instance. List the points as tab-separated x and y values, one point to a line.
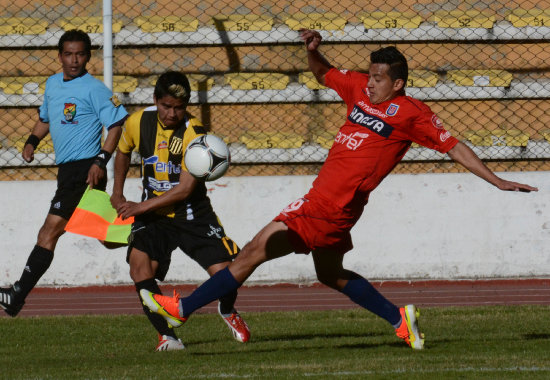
461	343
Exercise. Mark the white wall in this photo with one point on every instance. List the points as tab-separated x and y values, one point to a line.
429	226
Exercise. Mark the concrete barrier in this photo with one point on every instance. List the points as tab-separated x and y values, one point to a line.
426	226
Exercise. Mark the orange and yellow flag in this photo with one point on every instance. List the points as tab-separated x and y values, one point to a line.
95	217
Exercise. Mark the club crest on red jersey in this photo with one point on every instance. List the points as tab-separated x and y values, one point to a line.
437	122
392	109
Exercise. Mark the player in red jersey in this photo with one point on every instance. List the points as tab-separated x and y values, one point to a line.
381	124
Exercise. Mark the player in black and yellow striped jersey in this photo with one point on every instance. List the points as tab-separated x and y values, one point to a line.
175	210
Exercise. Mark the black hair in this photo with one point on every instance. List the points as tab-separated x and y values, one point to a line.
173	83
75	35
399	69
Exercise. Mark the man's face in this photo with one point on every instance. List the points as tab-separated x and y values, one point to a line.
171	110
381	86
73	59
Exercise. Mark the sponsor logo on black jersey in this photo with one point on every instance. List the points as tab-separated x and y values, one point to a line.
371	122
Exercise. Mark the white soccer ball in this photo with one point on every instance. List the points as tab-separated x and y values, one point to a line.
207	157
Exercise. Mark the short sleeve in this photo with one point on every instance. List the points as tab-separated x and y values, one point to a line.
129	139
343	82
107	107
428	130
43	109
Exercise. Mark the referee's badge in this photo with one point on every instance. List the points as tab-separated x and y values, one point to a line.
176	145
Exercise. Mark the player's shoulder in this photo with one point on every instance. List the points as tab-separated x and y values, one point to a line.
411	104
135	117
356	75
89	80
194	125
54	79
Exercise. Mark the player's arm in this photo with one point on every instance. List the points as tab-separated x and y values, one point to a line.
39	131
176	194
462	154
97	170
122	165
318	65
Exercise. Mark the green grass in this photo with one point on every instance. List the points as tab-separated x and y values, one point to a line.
461	343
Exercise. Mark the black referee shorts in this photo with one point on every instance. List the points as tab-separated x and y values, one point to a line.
202	239
71	185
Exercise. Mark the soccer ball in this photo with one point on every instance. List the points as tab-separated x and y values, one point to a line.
207	157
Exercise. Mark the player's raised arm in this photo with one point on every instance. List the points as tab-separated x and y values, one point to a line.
462	154
318	65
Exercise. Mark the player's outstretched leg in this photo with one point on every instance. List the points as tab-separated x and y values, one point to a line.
166	306
408	331
236	324
11	300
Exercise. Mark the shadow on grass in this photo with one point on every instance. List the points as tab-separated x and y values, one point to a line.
536	336
292	337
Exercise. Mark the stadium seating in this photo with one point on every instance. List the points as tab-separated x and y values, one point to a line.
529	17
22	25
23	85
385	20
422	78
88	24
464	19
257	81
249	76
324	139
498	137
239	23
322	21
122	83
310	81
267	139
482	78
157	24
45	145
197	82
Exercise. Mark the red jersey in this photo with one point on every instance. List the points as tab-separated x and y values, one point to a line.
374	138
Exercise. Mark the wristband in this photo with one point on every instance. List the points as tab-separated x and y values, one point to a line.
33	140
102	158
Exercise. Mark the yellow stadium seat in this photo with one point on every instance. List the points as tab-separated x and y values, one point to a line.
45	145
267	140
92	24
257	81
239	23
22	25
464	19
122	83
322	21
481	78
387	20
498	137
422	78
23	85
529	17
310	81
325	139
546	134
156	24
198	82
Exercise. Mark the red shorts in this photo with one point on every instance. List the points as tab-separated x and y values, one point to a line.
314	223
